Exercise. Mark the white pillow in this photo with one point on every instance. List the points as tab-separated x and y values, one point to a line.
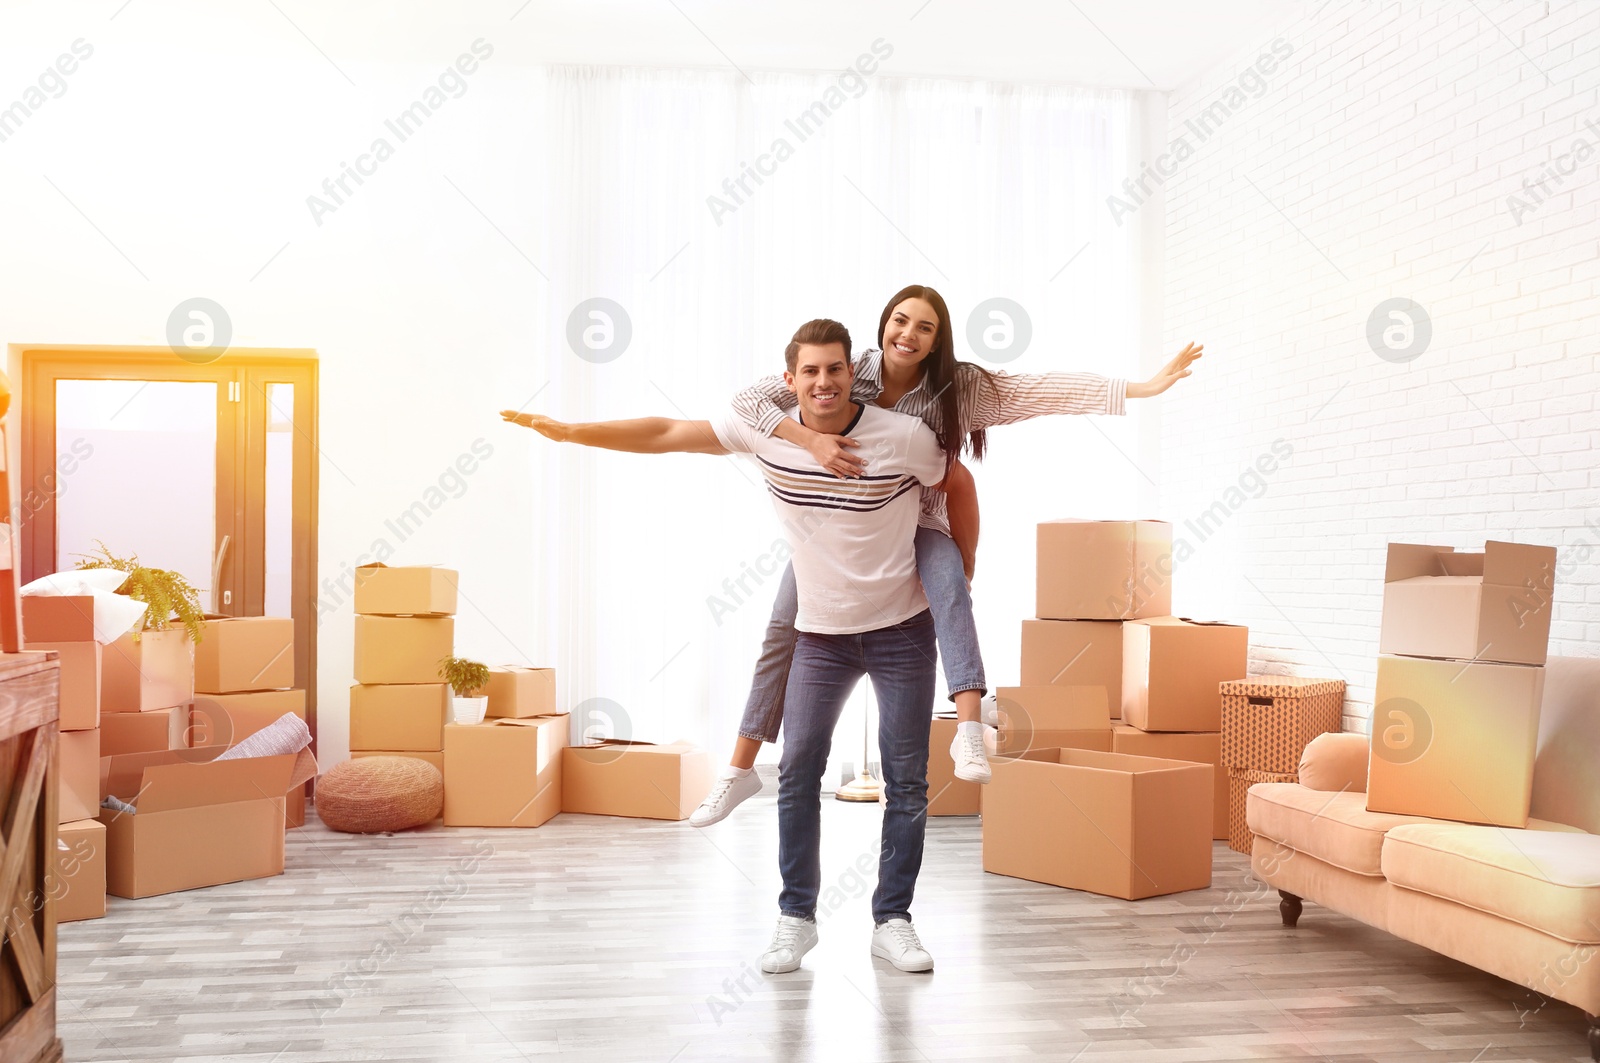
77	581
114	614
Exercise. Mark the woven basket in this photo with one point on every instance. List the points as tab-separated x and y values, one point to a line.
376	794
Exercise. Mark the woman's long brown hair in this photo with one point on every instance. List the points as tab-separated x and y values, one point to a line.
940	370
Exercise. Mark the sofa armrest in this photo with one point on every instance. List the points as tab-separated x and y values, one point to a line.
1335	761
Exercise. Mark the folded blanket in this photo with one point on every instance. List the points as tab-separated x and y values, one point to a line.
287	734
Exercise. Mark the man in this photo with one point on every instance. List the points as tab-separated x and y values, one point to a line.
862	612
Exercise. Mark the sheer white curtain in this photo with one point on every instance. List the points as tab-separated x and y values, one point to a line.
980	190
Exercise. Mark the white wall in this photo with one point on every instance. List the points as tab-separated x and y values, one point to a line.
1374	162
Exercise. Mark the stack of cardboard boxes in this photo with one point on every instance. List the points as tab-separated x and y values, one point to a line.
506	771
1128	809
404	626
1460	678
66	625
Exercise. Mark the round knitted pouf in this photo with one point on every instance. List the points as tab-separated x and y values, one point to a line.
373	794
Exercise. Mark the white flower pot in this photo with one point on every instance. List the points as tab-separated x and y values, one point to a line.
469	710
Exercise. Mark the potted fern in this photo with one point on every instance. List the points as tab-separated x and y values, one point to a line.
467	680
152	666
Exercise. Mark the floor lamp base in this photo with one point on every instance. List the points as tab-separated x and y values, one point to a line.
862	788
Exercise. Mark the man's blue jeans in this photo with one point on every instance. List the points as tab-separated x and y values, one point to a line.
900	662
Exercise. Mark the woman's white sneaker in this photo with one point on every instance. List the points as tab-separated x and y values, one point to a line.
897	942
792	939
730	791
967	750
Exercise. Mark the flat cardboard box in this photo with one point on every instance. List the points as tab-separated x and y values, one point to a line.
1173	668
619	778
1203	747
948	795
144	732
1107	823
399	716
1074	653
1488	606
1013	742
504	772
79	882
1104	569
1454	739
227	719
197	823
242	653
80	682
517	692
154	672
1240	840
434	757
402	649
77	775
57	618
405	590
1268	720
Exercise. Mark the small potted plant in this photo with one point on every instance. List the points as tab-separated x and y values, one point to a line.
468	680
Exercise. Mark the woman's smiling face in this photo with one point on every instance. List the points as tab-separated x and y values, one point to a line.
909	333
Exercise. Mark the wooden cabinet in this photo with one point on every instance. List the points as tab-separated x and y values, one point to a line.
29	709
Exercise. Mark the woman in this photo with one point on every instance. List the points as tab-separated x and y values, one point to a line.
913	371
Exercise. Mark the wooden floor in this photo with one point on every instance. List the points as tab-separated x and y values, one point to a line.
607	939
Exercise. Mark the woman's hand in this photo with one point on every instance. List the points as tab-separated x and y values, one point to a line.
830	453
1169	375
548	427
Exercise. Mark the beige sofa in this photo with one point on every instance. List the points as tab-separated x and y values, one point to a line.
1520	904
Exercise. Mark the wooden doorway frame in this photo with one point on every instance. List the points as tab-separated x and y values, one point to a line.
36	493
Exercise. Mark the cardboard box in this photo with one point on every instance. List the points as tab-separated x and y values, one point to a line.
1239	782
1268	720
1013	742
1172	669
79	882
197	824
399	716
408	590
948	795
1058	708
1454	739
57	618
154	672
1104	569
1074	653
244	653
1199	747
80	682
517	692
504	772
434	757
1107	823
614	777
77	775
1489	606
402	649
144	732
226	719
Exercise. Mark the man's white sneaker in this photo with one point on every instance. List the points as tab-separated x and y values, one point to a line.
897	942
790	942
729	792
966	749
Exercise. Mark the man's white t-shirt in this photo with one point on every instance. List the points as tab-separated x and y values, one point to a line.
854	541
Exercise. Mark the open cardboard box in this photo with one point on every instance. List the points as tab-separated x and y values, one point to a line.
197	822
1107	823
615	777
1173	669
1489	606
1104	569
504	772
405	590
240	653
1204	747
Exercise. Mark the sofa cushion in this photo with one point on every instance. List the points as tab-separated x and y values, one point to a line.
1547	880
1335	761
1336	828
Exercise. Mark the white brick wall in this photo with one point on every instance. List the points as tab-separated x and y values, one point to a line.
1376	164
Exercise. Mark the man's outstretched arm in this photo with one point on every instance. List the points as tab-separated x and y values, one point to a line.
640	435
